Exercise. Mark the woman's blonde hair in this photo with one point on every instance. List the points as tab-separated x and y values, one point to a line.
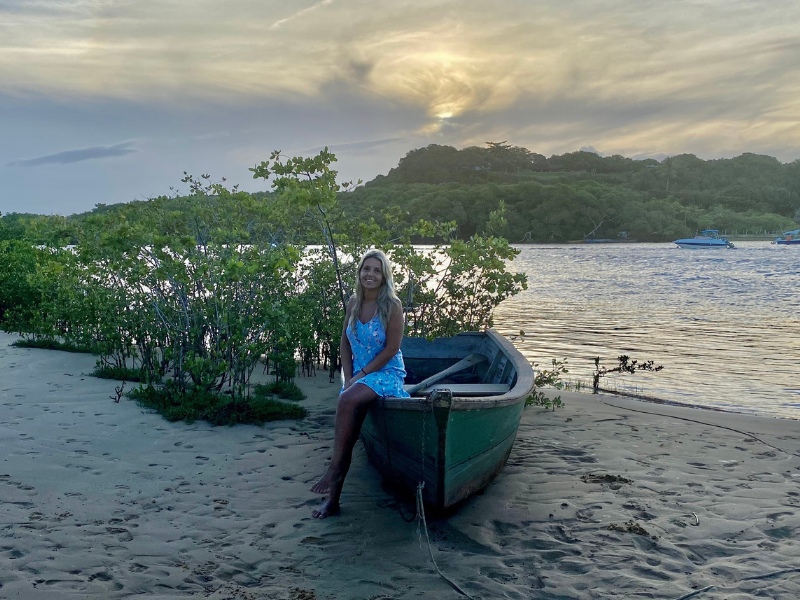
387	298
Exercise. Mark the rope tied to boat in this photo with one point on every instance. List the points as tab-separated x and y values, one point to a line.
419	517
422	524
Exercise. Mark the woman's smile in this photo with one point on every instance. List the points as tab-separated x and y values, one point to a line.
371	273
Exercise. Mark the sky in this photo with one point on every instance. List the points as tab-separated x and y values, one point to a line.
106	101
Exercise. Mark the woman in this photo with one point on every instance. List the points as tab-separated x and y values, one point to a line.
372	366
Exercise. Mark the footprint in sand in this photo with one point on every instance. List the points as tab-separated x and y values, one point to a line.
652	574
124	534
184	487
107	578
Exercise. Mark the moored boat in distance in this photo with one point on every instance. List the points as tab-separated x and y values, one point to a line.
455	433
708	238
789	238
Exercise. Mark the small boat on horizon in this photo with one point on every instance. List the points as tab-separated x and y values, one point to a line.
454	433
708	238
789	238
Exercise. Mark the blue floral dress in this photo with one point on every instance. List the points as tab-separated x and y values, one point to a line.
366	345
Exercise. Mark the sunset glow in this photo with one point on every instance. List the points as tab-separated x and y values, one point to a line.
714	78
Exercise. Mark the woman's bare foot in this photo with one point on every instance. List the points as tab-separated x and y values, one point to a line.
326	484
329	509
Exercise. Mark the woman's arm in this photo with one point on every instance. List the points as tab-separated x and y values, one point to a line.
394	336
345	351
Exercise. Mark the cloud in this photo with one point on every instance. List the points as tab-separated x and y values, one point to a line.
215	135
712	77
73	156
354	147
592	150
300	13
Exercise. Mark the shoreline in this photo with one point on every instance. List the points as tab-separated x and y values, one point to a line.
656	400
605	497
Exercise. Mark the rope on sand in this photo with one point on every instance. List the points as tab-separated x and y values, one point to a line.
773	574
694	593
766	575
646	412
754	577
422	522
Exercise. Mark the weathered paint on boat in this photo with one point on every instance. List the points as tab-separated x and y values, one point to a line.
456	445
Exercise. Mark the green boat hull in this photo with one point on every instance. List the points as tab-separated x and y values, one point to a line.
454	446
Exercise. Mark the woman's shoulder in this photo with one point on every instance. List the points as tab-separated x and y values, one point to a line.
395	306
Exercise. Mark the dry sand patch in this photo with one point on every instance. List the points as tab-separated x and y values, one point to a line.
105	500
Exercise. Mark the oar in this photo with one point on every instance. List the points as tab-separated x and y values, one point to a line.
464	363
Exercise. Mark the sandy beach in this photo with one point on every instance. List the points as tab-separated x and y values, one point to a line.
604	498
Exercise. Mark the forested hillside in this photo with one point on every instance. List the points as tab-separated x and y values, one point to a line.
581	194
556	199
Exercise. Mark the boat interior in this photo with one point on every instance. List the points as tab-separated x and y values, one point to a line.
494	374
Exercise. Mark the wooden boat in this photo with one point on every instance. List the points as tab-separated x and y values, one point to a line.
454	435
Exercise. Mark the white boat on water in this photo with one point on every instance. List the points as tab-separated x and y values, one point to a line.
708	238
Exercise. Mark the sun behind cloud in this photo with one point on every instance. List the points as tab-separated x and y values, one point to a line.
623	74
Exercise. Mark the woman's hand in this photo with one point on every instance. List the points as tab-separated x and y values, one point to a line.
356	376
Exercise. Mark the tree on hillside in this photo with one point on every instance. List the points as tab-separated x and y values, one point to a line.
507	158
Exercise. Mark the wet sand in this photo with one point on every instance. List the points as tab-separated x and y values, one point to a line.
605	498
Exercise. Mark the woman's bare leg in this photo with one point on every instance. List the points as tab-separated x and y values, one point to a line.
350	414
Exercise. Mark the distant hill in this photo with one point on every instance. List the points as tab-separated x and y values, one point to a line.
556	199
569	196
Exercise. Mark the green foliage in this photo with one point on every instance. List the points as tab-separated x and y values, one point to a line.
285	390
50	344
547	378
554	199
581	194
119	373
197	404
624	366
18	294
50	230
308	187
454	287
197	291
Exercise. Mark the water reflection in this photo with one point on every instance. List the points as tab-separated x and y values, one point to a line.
724	323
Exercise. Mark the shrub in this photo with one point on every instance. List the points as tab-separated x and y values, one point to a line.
197	404
119	373
51	344
285	390
551	378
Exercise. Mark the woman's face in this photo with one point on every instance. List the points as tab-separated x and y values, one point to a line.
371	274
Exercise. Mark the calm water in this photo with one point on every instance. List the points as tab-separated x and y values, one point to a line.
724	323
